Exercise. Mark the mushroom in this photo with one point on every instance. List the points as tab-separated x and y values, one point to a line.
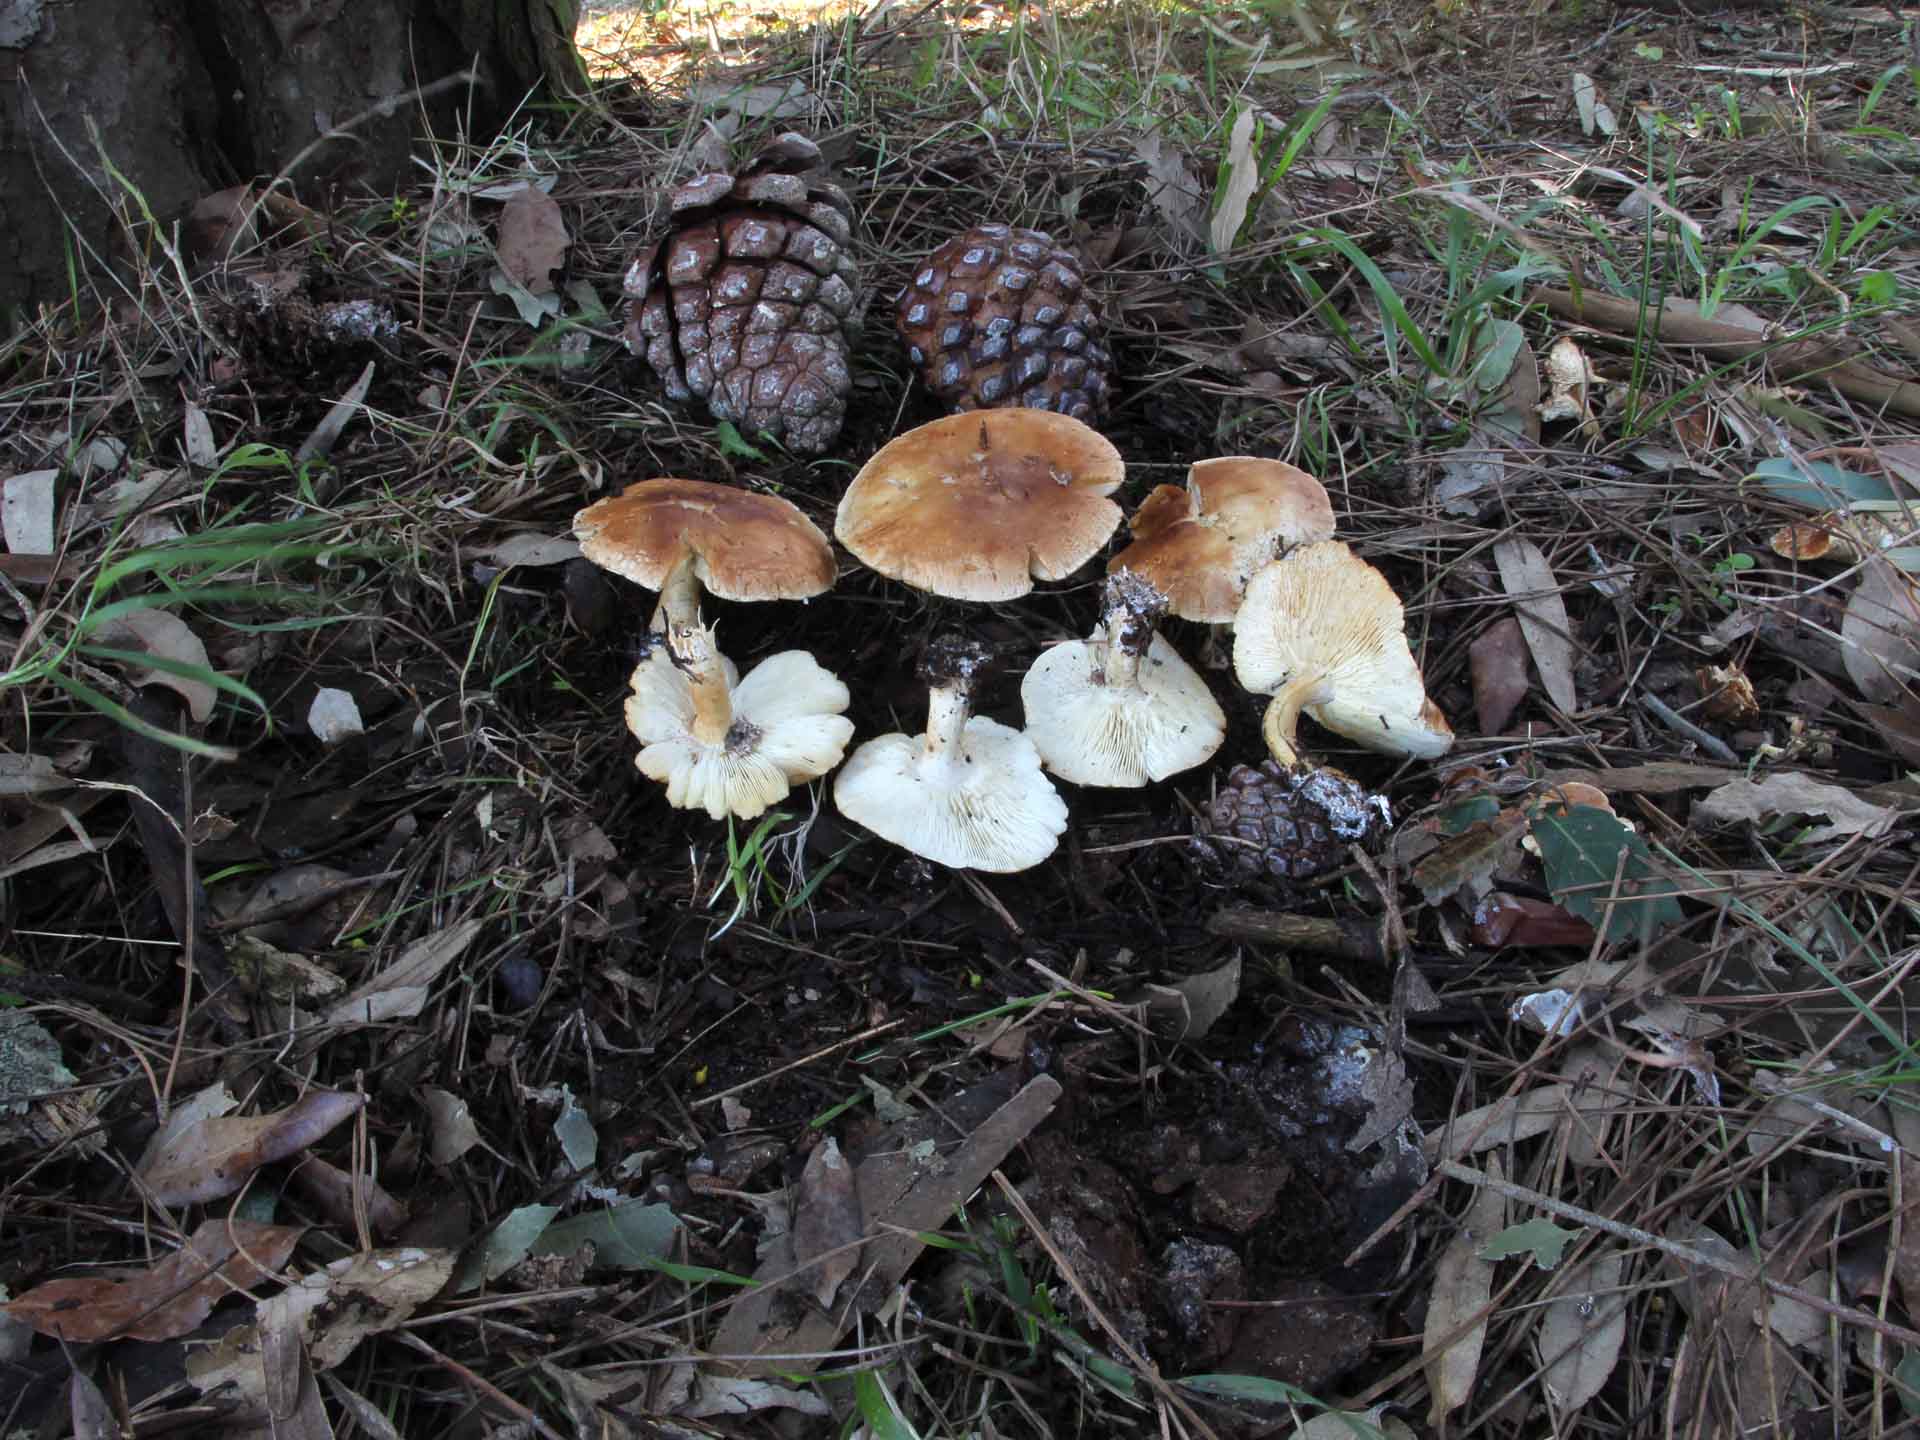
1121	709
675	536
979	506
1203	544
1322	631
968	794
726	745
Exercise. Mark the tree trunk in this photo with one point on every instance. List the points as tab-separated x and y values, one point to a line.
184	97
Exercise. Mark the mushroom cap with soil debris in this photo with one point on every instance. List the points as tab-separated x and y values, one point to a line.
1322	631
677	535
1203	544
979	506
731	746
1121	709
969	793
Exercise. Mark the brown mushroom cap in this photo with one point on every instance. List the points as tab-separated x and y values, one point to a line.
742	545
1202	545
979	506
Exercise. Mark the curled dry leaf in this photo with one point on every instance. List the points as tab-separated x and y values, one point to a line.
1457	1310
165	636
168	1299
1570	381
1171	186
1498	660
1243	177
1729	693
216	1155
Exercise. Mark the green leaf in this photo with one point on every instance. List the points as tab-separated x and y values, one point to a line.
733	444
632	1235
1581	850
1255	1388
884	1422
1383	291
1545	1241
504	1246
1795	483
1906	1380
1878	287
1461	816
1649	52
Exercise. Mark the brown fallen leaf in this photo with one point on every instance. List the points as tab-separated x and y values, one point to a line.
1529	581
1793	793
533	239
1457	1310
1243	177
400	991
1464	864
168	1299
1582	1331
1498	660
1518	922
1881	635
827	1226
216	1156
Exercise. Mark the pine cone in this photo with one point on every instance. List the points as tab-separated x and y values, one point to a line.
1290	823
999	316
750	300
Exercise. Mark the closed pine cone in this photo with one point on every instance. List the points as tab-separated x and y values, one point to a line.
1286	822
998	317
750	300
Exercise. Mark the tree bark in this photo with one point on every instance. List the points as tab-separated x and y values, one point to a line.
174	99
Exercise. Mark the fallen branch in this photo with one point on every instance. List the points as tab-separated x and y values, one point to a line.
1799	361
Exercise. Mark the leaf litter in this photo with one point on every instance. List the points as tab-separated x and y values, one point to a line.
1636	381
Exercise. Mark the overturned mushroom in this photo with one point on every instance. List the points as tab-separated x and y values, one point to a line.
1322	631
731	746
675	536
969	793
1121	709
979	506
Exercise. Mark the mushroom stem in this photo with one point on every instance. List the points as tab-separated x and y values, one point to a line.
679	597
1132	609
951	663
1281	723
695	657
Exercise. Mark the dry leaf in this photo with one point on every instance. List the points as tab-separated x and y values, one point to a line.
1507	1121
1595	113
166	636
1881	635
215	1156
196	438
1570	381
1464	864
1192	1006
533	239
26	512
366	1294
1171	186
454	1132
168	1299
400	991
532	548
1581	1332
1794	793
827	1220
1528	579
87	1407
1456	1328
1243	175
1498	661
334	716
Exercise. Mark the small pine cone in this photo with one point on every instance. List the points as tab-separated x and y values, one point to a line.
1290	823
751	299
1000	317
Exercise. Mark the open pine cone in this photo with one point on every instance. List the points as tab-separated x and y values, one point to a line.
749	300
999	316
1285	822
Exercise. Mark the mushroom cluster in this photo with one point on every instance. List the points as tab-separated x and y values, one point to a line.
978	507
